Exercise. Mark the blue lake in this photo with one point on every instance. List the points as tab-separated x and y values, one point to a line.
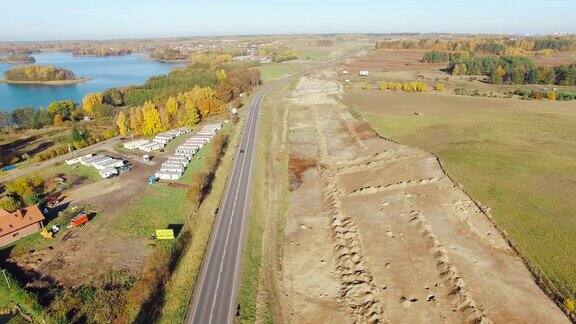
105	72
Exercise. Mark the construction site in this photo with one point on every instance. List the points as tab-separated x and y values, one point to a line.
376	231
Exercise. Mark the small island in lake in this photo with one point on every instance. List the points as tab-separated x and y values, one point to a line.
101	52
168	55
40	74
17	59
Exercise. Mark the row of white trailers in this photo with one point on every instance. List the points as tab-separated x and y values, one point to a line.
175	165
158	142
106	166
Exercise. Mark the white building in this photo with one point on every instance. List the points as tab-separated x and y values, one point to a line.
364	73
94	160
108	172
181	159
135	144
186	154
152	146
174	168
168	175
109	163
79	159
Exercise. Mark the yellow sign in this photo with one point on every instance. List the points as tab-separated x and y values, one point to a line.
164	234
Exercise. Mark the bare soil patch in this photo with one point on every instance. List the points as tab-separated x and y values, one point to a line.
377	232
557	58
389	60
297	166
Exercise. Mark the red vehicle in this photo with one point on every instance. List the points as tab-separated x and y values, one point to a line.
78	221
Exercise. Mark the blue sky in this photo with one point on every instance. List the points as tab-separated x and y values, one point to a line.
96	19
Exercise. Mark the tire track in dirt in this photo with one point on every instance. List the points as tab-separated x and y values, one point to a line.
459	294
358	289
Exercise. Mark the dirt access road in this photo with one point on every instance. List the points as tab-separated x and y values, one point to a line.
376	231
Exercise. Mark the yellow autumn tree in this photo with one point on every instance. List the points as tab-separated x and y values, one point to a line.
136	120
440	87
58	120
89	101
190	115
172	109
152	123
221	75
551	95
121	122
164	118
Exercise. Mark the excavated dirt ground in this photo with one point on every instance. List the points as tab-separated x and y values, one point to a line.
376	232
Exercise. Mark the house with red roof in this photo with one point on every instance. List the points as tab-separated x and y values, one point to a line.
21	223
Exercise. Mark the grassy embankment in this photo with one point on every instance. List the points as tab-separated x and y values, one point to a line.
518	160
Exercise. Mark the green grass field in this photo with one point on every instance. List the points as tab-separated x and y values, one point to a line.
277	70
518	162
161	205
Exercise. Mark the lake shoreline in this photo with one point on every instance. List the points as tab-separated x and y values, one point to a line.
50	83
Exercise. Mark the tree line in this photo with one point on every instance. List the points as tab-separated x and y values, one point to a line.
514	70
492	45
35	72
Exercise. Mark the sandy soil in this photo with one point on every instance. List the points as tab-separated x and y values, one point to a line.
376	232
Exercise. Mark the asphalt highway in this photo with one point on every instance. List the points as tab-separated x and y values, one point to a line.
215	297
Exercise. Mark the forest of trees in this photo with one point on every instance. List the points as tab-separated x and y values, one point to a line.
18	58
514	70
35	72
491	45
100	51
442	56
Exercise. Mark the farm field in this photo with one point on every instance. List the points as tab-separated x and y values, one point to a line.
514	156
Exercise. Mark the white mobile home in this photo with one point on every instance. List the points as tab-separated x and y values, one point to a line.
172	164
168	175
152	146
174	168
188	155
95	160
178	158
79	159
108	172
135	144
111	163
364	73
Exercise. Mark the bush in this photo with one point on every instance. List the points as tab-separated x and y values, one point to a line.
439	87
9	204
436	57
414	86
